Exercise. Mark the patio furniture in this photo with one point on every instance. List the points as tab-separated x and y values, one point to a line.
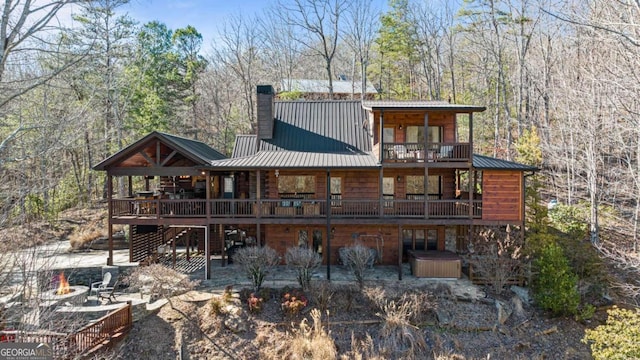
103	285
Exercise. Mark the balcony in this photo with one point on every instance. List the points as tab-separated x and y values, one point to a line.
291	209
435	152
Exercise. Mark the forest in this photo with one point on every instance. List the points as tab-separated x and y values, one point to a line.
559	80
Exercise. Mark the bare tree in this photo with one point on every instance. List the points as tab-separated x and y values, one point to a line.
239	51
317	23
360	28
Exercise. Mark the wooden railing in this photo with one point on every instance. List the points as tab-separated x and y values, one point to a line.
84	340
412	152
114	324
307	208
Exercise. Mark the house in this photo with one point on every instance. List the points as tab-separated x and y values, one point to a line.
396	176
319	89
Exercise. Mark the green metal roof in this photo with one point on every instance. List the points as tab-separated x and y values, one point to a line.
420	105
488	163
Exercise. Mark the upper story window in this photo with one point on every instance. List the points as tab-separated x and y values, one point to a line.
415	134
389	135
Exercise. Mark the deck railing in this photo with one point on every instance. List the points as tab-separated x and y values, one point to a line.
412	152
103	329
297	208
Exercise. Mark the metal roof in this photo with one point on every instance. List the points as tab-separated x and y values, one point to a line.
197	151
486	162
319	126
298	159
245	145
322	86
309	134
419	105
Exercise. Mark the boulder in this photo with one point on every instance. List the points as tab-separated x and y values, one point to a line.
504	312
236	324
522	293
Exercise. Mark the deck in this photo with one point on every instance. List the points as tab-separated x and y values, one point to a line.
288	209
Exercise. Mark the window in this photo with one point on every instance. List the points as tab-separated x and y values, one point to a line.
434	187
413	239
435	134
317	241
296	187
415	187
303	239
388	187
415	134
432	239
336	191
388	135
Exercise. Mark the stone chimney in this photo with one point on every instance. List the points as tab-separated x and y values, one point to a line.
265	112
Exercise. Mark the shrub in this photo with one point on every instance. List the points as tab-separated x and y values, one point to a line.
254	303
305	261
256	262
358	258
618	338
293	302
496	257
555	286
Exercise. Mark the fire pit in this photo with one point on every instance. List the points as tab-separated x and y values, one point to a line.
65	293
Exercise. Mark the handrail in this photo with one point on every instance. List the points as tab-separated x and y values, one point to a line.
311	208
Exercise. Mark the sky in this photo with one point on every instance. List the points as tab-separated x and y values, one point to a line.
205	15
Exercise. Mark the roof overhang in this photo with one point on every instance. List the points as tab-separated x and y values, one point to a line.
373	105
297	160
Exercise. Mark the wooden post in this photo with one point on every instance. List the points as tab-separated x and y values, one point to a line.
207	207
207	250
329	234
109	215
400	249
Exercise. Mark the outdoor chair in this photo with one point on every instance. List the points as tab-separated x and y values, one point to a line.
103	285
108	293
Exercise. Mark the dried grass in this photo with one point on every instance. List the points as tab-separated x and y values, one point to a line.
83	237
311	342
398	337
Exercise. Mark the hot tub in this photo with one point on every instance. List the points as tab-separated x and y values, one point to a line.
435	264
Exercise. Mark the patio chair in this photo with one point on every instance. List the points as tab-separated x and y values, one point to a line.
101	285
108	293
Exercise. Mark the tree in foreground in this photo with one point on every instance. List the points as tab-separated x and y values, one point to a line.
555	286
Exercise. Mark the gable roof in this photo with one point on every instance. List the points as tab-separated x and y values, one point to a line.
311	134
488	163
196	151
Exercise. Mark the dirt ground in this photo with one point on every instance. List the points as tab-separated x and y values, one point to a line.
441	327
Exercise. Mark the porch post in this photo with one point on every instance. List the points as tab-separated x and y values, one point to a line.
130	185
425	191
328	212
109	215
259	207
207	208
207	265
400	248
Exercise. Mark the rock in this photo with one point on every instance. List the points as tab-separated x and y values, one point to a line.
504	312
516	303
232	310
522	293
443	317
236	324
